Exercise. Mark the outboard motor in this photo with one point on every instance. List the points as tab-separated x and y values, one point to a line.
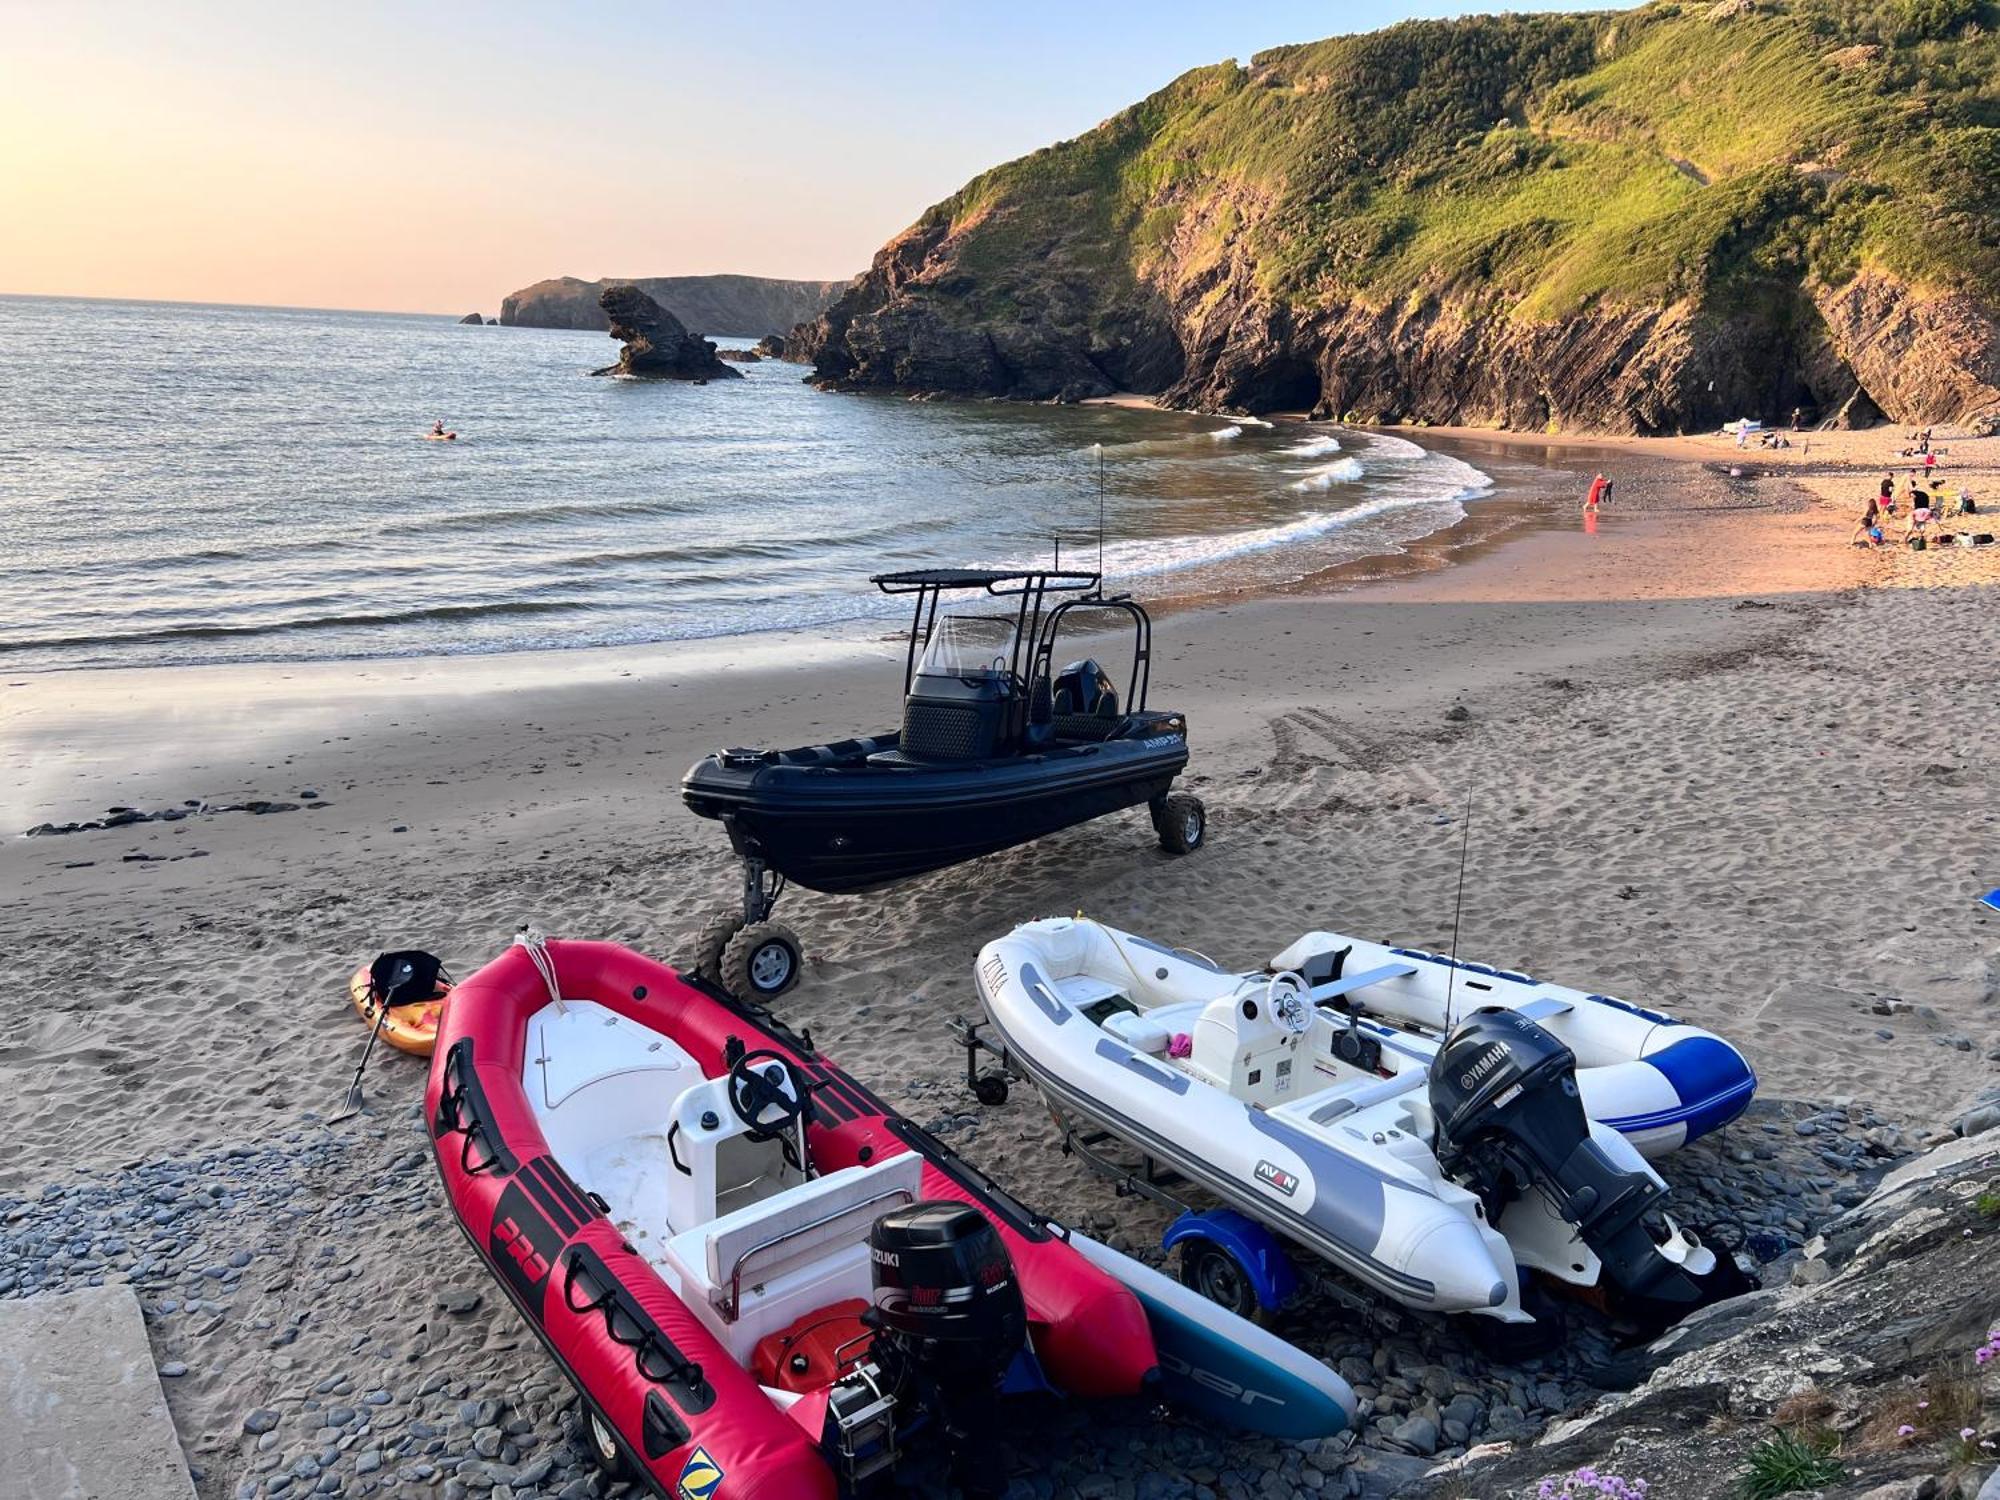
949	1320
1509	1119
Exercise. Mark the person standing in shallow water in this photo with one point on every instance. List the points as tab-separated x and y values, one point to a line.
1599	492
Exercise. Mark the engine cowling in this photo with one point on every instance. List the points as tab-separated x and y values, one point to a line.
1510	1121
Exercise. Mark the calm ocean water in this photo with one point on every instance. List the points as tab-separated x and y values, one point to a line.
198	484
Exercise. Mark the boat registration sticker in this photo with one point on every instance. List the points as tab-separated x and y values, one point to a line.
1275	1176
701	1476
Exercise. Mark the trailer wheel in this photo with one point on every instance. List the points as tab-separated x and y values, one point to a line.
1182	823
990	1087
762	961
705	947
605	1452
1220	1277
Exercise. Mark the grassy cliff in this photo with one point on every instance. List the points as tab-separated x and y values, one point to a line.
1688	180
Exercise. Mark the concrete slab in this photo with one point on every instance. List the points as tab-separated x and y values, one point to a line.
82	1416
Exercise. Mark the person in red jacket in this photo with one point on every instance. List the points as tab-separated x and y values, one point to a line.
1600	491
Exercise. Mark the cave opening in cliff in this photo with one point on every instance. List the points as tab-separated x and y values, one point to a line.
1287	384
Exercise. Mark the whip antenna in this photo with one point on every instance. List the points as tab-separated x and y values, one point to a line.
1100	515
1458	910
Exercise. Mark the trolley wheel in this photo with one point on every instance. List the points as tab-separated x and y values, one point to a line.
990	1088
705	949
762	961
1220	1277
1181	821
605	1451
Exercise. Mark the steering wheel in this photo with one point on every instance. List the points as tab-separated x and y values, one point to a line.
767	1093
1285	996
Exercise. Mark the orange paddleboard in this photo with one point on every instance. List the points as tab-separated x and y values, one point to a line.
409	1028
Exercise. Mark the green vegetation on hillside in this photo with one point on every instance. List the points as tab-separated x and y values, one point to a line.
1534	166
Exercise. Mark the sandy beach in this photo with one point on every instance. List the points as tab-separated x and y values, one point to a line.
1716	760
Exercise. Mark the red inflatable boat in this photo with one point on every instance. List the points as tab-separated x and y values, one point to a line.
761	1281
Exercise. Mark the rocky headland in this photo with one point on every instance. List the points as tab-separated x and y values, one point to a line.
1644	222
657	346
737	306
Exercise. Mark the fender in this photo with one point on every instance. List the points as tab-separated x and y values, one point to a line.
1250	1244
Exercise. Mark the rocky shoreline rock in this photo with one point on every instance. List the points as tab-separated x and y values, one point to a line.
1868	1354
657	347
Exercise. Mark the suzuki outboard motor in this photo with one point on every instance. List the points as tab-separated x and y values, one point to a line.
1509	1120
949	1320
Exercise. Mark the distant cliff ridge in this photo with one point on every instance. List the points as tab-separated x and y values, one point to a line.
1644	221
732	306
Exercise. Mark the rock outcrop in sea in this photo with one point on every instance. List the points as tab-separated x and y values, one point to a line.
656	345
475	319
1534	222
734	306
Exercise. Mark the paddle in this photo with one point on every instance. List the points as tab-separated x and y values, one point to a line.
389	974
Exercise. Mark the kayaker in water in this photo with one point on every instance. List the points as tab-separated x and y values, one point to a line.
437	428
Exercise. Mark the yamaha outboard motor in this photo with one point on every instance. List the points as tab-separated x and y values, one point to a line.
949	1320
1509	1120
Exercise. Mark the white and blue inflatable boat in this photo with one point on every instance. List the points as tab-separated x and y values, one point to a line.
1657	1081
1428	1126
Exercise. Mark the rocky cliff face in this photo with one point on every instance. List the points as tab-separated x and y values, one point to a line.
733	306
1865	1359
1533	222
656	345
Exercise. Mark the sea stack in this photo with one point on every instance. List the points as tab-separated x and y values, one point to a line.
475	319
657	345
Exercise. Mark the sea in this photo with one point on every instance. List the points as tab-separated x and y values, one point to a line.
193	484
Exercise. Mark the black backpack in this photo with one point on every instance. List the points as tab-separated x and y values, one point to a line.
407	977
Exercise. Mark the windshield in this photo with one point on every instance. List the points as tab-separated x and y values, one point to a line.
969	646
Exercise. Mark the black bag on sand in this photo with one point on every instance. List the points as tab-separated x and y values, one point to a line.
1918	544
1982	539
410	975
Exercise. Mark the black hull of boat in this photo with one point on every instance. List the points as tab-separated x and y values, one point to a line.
832	820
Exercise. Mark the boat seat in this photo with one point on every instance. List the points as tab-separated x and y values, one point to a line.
1139	1030
1364	1093
1083	990
1544	1009
1179	1017
760	1268
1335	989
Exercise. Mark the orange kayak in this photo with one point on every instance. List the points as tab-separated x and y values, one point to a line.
409	1028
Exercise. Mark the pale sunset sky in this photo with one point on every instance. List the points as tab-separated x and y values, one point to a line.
435	157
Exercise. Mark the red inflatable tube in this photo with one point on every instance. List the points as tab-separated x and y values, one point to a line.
688	1417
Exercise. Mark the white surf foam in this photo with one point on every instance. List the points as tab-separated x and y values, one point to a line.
1224	434
1340	471
1314	447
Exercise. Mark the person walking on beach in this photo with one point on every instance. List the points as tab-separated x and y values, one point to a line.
1600	491
1870	530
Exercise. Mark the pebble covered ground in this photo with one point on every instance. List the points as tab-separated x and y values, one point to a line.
410	1374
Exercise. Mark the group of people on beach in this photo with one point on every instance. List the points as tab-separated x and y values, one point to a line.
1924	502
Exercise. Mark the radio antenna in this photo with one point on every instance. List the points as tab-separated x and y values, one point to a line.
1100	515
1458	910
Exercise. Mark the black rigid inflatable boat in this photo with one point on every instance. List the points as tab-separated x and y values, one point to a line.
998	746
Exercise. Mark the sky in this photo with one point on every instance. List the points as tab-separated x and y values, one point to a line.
434	157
